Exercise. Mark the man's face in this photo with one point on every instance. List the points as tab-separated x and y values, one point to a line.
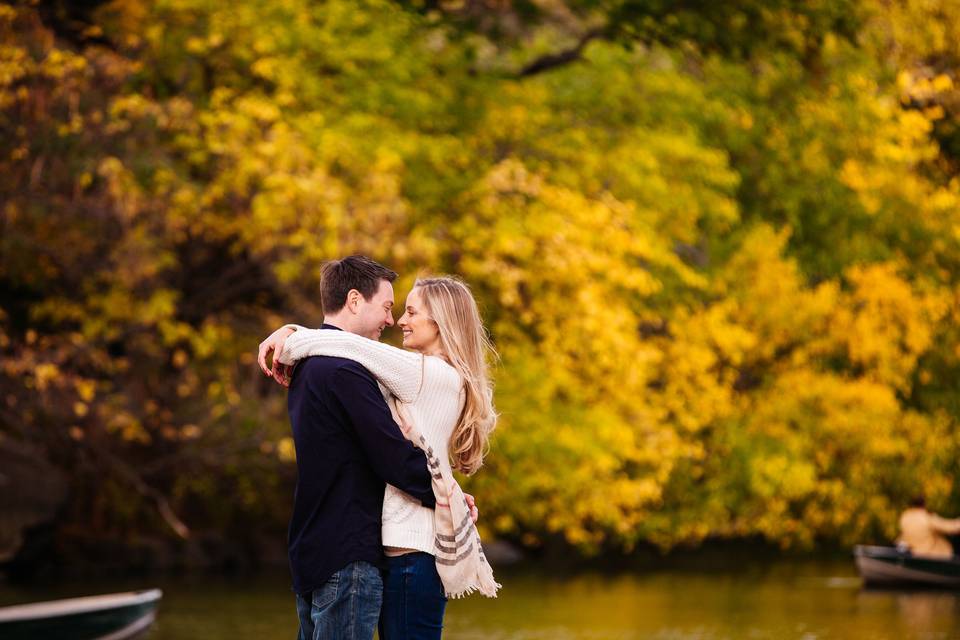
376	313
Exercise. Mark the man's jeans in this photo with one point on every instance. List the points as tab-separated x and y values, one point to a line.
346	607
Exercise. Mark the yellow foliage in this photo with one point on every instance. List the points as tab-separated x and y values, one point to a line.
883	324
723	290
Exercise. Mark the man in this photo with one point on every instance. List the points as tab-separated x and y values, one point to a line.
348	446
925	532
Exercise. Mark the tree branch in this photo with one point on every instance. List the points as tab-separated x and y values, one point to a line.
553	60
127	472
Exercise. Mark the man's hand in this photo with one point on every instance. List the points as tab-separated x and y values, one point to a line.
474	512
274	343
404	420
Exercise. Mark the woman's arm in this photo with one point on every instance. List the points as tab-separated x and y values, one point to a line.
400	371
274	345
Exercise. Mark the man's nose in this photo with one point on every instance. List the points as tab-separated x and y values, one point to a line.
389	319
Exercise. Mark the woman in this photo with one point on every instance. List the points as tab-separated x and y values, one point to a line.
446	408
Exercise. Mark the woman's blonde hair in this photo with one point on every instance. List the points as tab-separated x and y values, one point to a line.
467	346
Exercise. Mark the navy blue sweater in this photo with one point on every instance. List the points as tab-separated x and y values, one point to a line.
348	446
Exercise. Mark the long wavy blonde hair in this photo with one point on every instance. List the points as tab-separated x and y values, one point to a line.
465	342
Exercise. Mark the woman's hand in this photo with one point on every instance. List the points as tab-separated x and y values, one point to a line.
472	505
274	343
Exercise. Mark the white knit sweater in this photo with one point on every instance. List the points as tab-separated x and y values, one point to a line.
433	397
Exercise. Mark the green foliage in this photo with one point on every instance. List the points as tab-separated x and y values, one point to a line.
717	249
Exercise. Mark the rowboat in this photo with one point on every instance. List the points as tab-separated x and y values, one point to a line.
890	565
116	616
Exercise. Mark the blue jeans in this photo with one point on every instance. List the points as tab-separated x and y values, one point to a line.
413	599
346	606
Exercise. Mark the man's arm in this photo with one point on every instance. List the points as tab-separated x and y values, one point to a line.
948	527
392	457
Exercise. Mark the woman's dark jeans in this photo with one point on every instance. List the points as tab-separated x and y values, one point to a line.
413	599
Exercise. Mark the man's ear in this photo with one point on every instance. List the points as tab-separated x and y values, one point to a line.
353	300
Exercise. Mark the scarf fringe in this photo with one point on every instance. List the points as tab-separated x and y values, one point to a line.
485	584
489	590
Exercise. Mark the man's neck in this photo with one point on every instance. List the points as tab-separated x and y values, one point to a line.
338	322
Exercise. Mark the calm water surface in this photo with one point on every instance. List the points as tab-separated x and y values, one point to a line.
804	600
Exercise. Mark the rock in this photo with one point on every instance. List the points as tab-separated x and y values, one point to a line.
501	553
31	492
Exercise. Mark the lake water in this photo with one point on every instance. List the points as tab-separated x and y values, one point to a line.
805	600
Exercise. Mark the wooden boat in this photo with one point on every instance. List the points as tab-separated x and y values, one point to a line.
116	616
890	565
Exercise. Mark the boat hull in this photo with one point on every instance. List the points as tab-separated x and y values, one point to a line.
118	620
889	566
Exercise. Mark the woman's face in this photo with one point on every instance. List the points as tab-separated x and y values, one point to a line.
420	332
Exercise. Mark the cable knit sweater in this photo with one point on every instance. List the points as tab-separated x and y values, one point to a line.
433	397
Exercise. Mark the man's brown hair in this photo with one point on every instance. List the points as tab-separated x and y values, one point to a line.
338	277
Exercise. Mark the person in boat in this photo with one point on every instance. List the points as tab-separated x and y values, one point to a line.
445	404
925	533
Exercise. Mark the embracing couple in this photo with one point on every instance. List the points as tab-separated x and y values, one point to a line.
381	534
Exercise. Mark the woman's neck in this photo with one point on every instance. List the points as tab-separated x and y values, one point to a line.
435	351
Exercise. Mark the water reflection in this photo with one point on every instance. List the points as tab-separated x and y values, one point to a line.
779	600
926	613
795	600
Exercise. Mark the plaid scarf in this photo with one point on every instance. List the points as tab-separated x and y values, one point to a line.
461	564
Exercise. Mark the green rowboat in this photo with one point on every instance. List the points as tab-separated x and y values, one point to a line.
890	565
116	616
